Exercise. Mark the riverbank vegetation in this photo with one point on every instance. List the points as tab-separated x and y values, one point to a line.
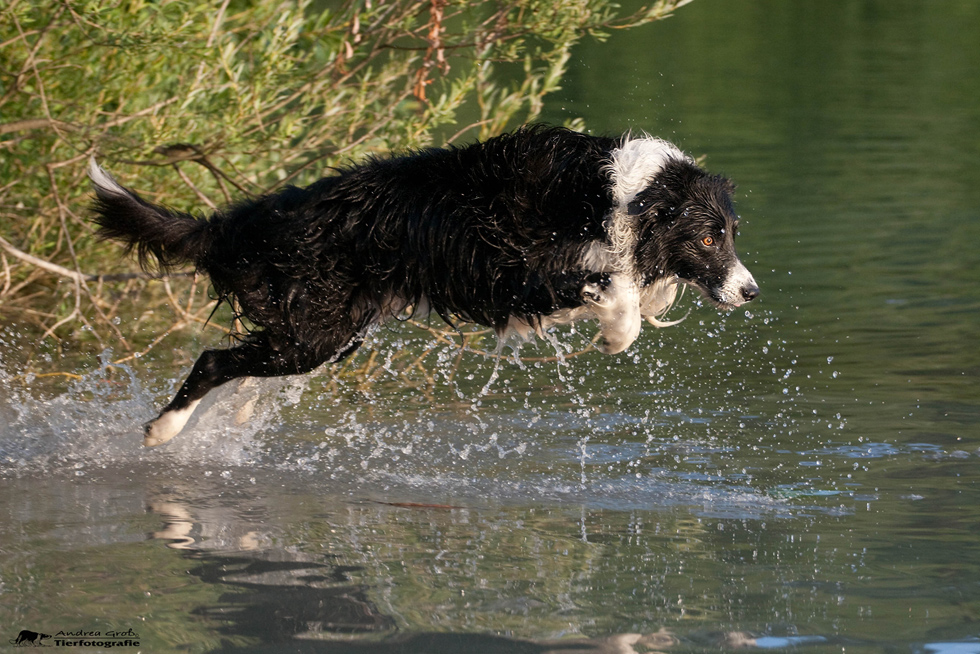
197	104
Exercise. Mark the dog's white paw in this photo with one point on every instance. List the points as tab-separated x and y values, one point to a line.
245	411
617	306
167	425
619	334
594	293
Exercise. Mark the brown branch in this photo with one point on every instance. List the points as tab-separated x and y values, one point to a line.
444	336
187	180
180	324
35	123
76	275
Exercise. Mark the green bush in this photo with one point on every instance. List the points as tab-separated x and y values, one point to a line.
196	104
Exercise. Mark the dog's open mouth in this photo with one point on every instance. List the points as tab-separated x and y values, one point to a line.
722	305
723	300
737	290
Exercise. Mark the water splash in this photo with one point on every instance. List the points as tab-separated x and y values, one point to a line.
88	421
671	412
97	422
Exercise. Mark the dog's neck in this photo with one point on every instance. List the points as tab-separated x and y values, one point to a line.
632	167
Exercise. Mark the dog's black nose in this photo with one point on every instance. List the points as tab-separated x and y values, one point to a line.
750	293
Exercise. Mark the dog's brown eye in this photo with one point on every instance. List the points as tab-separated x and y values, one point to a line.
707	240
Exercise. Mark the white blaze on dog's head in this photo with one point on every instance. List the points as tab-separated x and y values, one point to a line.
634	165
632	168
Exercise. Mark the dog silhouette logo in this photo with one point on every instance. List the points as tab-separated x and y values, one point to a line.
32	638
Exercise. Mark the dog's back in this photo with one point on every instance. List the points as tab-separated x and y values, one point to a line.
479	233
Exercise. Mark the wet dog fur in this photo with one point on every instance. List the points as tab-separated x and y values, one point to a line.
527	230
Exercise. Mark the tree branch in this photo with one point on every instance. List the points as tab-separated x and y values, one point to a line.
78	276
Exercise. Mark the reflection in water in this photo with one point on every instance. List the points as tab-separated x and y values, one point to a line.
971	647
271	594
279	563
178	525
283	596
276	601
329	587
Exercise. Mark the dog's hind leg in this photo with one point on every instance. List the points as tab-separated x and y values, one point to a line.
245	411
255	358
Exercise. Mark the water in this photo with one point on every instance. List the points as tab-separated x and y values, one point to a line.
797	474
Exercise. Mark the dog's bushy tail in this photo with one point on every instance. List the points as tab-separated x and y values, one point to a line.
166	236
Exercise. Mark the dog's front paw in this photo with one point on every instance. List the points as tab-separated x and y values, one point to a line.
592	293
617	306
594	289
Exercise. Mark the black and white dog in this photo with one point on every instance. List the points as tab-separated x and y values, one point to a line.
527	230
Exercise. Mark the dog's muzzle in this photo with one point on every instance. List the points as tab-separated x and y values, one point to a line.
739	288
750	292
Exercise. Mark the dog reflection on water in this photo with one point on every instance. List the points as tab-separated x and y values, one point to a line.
302	597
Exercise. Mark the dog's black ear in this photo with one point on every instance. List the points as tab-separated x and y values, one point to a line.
669	188
642	203
726	184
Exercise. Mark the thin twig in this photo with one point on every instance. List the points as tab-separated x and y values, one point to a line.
79	276
187	180
180	324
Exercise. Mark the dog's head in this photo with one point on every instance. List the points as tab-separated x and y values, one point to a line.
686	227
